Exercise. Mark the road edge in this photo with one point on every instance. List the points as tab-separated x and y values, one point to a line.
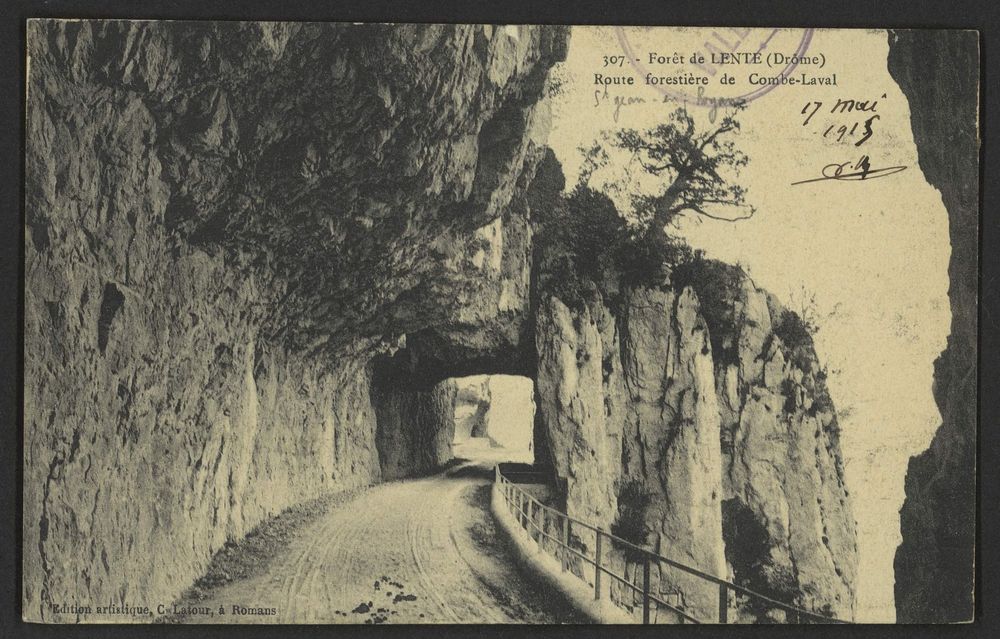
548	570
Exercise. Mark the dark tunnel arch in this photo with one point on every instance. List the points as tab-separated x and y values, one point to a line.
411	374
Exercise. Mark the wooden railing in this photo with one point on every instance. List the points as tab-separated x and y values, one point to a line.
534	517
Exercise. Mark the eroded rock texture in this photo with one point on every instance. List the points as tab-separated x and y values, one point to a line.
227	225
415	429
580	429
735	452
472	402
788	520
935	562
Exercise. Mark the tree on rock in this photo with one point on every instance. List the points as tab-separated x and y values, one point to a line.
683	170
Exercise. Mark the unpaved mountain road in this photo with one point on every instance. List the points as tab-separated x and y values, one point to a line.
417	551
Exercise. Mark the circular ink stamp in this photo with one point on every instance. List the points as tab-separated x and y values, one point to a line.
689	66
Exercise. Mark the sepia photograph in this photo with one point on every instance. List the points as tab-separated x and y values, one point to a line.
398	323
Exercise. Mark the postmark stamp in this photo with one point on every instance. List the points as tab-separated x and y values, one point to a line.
701	61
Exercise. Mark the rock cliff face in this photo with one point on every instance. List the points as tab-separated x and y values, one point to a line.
255	251
671	439
415	429
935	562
230	228
581	428
472	401
735	454
787	515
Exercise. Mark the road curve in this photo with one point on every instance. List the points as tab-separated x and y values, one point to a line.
416	551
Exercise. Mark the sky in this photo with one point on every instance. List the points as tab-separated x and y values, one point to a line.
873	254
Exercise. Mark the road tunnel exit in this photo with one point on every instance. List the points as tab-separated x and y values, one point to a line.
494	417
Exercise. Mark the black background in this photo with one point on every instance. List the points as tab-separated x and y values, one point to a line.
846	13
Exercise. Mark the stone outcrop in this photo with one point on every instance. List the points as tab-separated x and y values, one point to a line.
415	429
734	454
472	402
671	439
935	563
790	530
582	431
231	227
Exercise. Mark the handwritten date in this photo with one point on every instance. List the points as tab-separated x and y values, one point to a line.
851	118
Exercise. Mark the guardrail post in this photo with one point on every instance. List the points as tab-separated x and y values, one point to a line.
565	541
597	566
645	591
723	603
543	521
520	508
529	518
535	509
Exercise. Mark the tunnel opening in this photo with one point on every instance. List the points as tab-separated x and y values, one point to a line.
431	415
422	422
494	417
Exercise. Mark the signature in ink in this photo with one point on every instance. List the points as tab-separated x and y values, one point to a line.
853	171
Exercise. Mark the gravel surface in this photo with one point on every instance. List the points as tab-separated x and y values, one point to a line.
417	551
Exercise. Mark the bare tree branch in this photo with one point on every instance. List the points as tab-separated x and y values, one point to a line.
691	164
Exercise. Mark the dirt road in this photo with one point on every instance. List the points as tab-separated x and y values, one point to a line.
417	551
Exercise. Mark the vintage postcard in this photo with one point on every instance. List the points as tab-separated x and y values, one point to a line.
395	323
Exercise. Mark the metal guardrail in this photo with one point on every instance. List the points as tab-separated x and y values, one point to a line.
526	510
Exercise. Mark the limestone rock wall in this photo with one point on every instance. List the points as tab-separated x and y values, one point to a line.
228	225
415	429
632	400
736	459
157	434
578	404
472	401
788	516
671	442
